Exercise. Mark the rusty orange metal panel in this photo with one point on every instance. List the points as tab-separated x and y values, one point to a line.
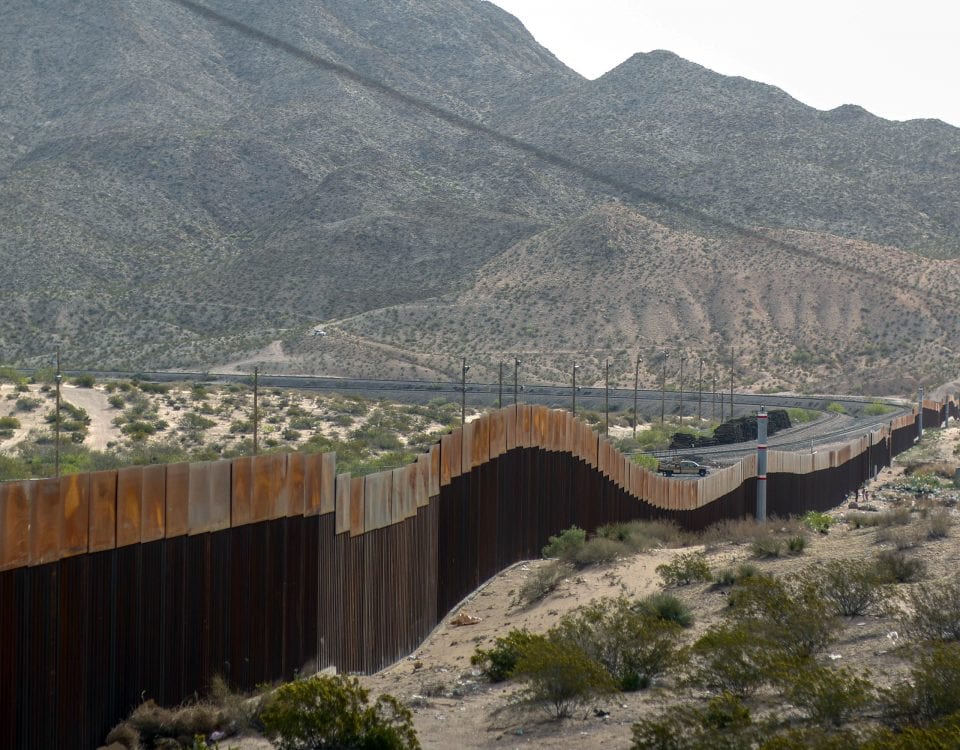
377	500
75	506
312	483
480	451
510	420
593	448
356	506
498	433
450	457
342	503
16	498
328	483
153	499
208	504
422	493
270	495
129	505
296	483
413	490
241	506
103	511
540	434
469	437
566	440
433	487
45	517
178	497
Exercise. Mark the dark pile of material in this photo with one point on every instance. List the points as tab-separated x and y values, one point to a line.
737	430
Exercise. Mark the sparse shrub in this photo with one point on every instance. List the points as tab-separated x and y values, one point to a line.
84	381
24	403
333	712
895	567
766	546
851	587
933	690
730	659
497	663
937	524
543	580
9	423
724	724
566	544
731	576
684	569
796	544
935	611
560	676
827	695
901	537
631	645
117	401
154	387
818	522
790	614
666	607
154	723
598	551
836	408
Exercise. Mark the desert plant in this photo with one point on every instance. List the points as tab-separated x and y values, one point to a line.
566	544
789	614
730	659
598	551
543	580
895	567
560	676
334	712
497	663
724	724
730	576
766	546
796	544
684	569
851	587
818	522
935	611
937	524
933	690
666	607
631	645
827	695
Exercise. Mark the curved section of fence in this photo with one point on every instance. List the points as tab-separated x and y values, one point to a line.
145	582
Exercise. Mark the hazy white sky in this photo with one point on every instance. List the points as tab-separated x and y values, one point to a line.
898	60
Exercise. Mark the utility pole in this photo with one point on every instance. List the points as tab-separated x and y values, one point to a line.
700	397
636	385
681	387
256	409
606	402
713	406
663	388
500	397
463	392
732	356
56	455
573	400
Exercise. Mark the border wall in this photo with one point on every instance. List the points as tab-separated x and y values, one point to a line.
119	586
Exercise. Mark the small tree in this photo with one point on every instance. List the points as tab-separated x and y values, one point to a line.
560	676
684	569
333	712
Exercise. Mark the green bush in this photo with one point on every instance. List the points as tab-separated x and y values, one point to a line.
933	690
684	569
730	659
566	544
9	423
895	567
154	387
84	381
498	662
724	724
826	695
819	522
851	587
876	408
598	551
631	645
667	607
730	576
543	580
560	676
24	403
334	712
836	408
796	544
789	614
935	611
766	546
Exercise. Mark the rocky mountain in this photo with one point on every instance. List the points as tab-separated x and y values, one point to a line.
187	184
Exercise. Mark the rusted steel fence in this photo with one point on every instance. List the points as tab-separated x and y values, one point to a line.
119	586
